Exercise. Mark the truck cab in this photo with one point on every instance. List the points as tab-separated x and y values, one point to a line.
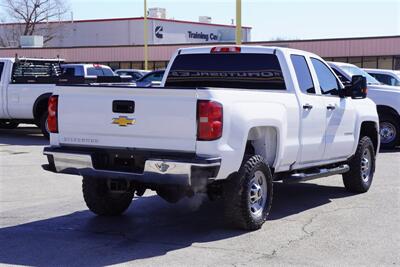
86	70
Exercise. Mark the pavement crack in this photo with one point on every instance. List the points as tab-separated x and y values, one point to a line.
307	234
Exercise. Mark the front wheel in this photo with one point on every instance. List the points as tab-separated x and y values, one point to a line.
389	130
101	200
362	167
248	195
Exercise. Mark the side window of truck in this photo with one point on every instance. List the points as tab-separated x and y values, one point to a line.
303	74
342	78
94	72
107	72
384	78
70	72
327	81
1	69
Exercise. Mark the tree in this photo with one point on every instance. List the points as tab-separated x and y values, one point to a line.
31	17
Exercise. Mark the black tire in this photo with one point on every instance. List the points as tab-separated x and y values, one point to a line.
359	179
389	131
238	191
43	125
8	125
101	201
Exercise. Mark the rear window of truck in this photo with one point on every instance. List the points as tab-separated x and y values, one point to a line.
230	70
35	72
96	71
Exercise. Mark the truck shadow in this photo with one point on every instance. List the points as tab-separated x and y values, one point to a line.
290	199
150	228
392	150
23	136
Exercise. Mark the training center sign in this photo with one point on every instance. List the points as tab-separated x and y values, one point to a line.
179	33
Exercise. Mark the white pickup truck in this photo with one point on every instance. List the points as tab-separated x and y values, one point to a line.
228	121
387	99
27	83
25	87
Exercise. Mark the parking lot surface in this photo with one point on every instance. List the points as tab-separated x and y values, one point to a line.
44	221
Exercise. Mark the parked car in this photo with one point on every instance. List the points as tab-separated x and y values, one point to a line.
134	73
388	77
387	99
86	70
228	121
151	79
25	87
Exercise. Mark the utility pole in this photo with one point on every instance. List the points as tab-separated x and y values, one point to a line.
145	39
238	22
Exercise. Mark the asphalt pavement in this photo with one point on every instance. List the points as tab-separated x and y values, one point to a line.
44	221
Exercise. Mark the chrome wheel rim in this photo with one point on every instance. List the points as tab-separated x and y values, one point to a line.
366	162
257	193
388	132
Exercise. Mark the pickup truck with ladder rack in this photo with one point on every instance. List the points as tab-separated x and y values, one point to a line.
27	83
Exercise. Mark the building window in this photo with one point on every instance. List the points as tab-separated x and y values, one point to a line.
397	63
370	62
385	62
356	61
159	65
136	65
125	65
340	59
114	65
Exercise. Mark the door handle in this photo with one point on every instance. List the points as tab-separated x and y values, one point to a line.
307	106
330	107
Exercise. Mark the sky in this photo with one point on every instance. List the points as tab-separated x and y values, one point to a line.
270	19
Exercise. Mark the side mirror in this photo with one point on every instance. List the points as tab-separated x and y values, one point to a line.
358	87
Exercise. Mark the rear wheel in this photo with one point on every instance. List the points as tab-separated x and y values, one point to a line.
44	125
8	125
389	129
248	195
101	200
362	167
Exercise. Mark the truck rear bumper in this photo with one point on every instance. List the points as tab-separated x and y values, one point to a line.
160	171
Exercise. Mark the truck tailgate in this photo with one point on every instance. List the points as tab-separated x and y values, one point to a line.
127	117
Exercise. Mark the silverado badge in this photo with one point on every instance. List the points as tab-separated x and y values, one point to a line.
123	121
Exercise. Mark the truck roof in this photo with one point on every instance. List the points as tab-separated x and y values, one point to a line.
245	49
73	65
383	71
341	64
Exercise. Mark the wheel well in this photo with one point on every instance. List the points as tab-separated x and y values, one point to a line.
387	110
262	141
370	129
40	105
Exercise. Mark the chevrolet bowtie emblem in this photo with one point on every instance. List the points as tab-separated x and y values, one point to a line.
123	121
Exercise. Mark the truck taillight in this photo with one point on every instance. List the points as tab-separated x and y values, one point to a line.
209	120
226	49
52	122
